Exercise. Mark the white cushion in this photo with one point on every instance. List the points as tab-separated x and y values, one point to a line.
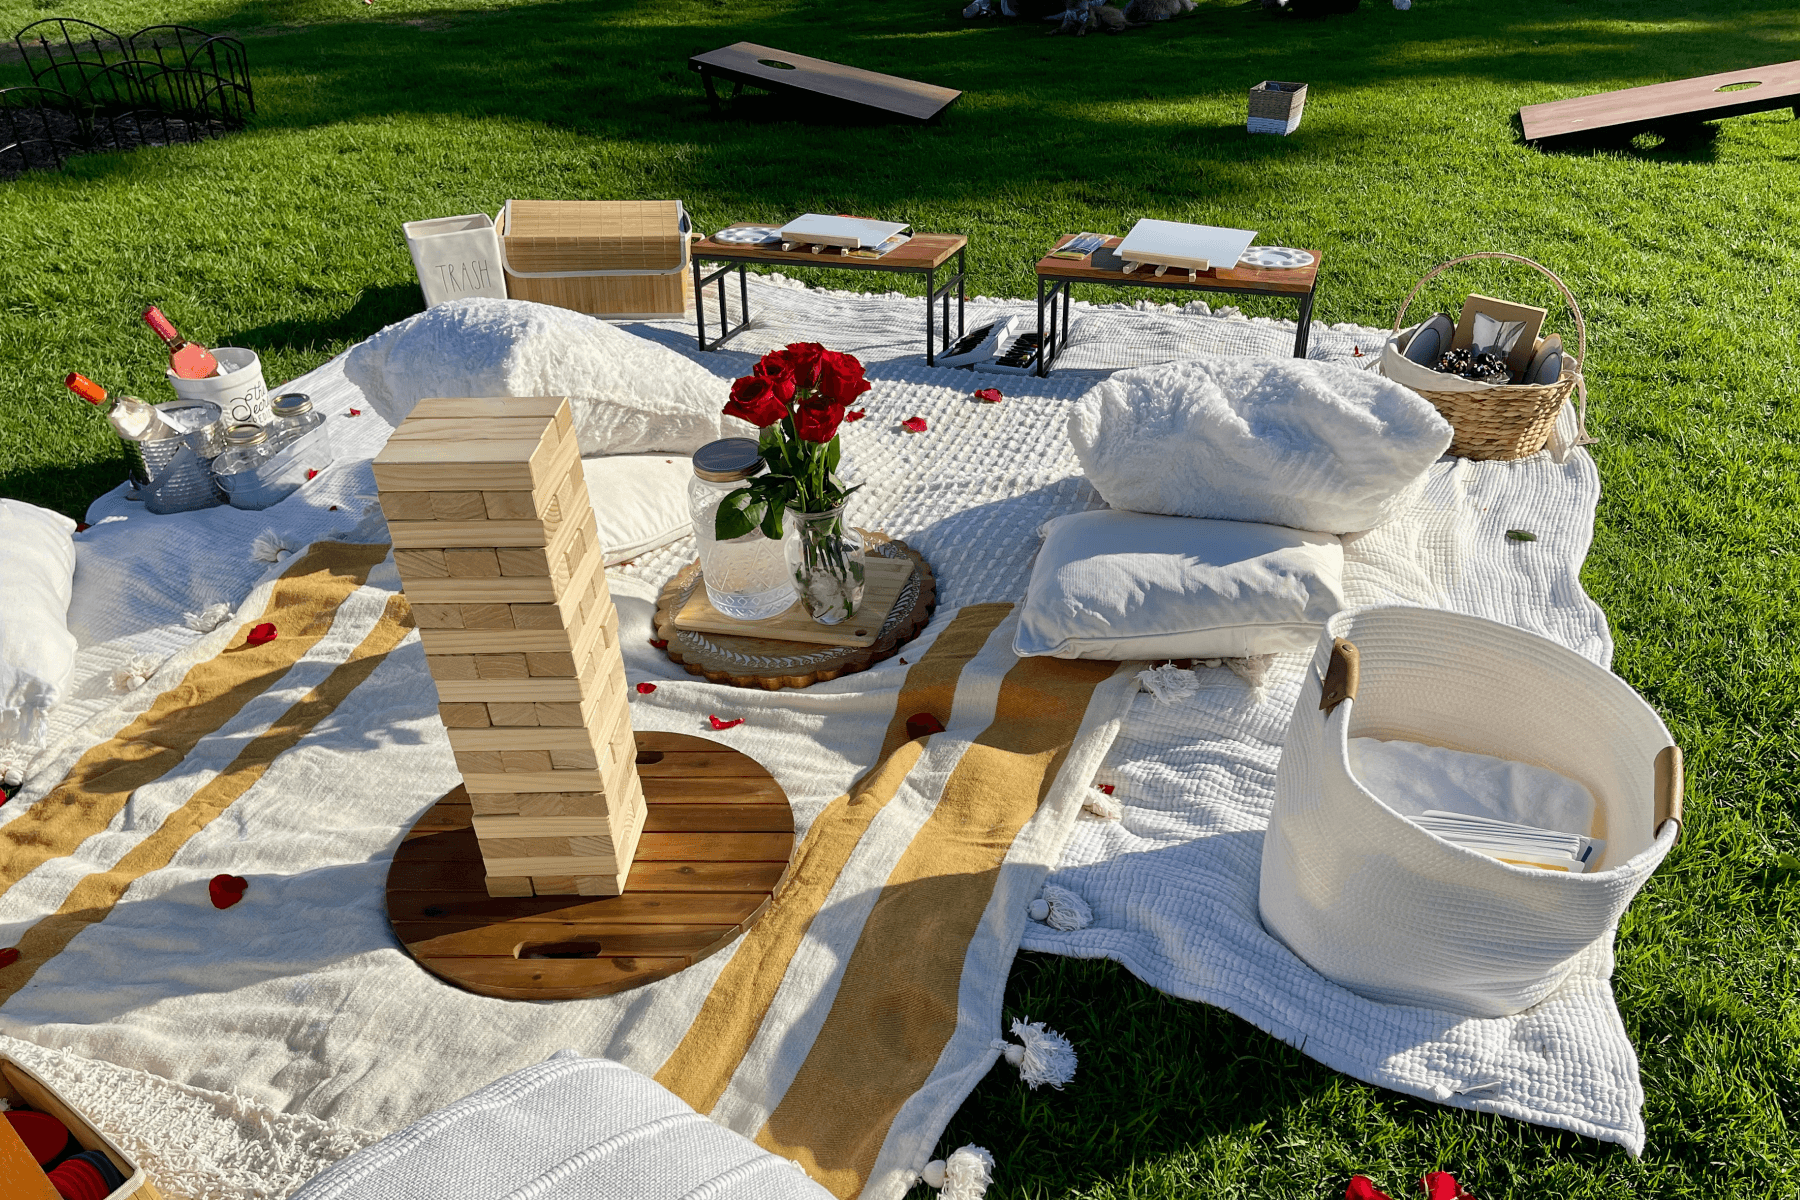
640	502
567	1129
629	395
37	651
1120	585
1309	445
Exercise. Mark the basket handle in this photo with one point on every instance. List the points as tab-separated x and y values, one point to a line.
1582	438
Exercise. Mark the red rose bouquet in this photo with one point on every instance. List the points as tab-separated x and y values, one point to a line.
798	397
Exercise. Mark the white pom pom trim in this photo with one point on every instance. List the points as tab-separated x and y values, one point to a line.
965	1175
1061	909
1044	1057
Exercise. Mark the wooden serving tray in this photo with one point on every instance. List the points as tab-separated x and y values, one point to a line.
883	580
772	665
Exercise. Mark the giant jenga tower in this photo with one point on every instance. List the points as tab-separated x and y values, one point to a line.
496	547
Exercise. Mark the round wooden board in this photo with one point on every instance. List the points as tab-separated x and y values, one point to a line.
772	665
716	845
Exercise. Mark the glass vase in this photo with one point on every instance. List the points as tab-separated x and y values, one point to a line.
825	559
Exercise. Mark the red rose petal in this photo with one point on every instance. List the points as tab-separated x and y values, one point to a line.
1105	787
921	724
82	527
262	635
9	956
311	474
356	412
1356	352
989	396
334	508
855	414
660	643
913	424
718	724
1442	1185
227	890
1362	1189
644	689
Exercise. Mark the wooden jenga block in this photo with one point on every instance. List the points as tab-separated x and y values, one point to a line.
436	616
501	666
464	716
472	563
421	564
485	616
406	506
445	667
457	506
553	885
514	715
498	886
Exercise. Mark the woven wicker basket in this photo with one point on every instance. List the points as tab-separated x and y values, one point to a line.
1511	420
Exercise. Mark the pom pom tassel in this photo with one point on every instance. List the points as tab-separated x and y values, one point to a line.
965	1175
1045	1057
1102	804
1061	909
134	674
208	618
269	546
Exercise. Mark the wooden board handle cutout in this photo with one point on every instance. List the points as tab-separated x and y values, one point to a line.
1340	675
1669	779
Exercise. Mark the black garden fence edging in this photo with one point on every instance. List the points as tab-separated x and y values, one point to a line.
92	89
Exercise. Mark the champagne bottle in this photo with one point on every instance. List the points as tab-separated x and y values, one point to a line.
187	360
131	418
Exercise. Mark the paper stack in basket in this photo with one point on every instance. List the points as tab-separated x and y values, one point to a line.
498	555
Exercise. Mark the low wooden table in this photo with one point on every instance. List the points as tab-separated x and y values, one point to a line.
1056	278
1631	111
715	848
923	255
772	665
779	71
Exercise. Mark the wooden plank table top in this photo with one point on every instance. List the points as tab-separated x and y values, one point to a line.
1698	99
715	848
922	252
1105	266
779	70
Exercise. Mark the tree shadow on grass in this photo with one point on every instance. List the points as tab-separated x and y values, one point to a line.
374	309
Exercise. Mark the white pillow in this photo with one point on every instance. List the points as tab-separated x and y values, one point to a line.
1309	445
1120	585
640	502
37	651
629	395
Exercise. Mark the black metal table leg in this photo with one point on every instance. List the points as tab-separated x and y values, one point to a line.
962	278
1042	358
744	294
1068	302
699	305
1305	330
930	303
711	93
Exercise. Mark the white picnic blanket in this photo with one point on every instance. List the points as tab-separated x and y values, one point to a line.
322	1017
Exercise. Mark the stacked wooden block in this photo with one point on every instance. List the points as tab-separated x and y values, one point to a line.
496	546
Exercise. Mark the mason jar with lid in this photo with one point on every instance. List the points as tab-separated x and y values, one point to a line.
246	448
294	418
747	577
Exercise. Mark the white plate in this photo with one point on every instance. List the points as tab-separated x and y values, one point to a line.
748	235
1276	257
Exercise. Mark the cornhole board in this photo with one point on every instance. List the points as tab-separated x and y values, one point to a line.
1681	102
796	74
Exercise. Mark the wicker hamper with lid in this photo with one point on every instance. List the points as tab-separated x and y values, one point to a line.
610	258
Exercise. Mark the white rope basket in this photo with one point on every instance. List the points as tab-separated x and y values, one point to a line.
1374	902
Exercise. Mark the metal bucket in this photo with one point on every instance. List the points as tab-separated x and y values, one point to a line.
174	474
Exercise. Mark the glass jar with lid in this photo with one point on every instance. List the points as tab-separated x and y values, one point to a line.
246	448
294	419
747	577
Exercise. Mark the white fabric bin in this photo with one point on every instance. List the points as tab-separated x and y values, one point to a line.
1374	902
456	257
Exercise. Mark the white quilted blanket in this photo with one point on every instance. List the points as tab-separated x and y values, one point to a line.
1172	885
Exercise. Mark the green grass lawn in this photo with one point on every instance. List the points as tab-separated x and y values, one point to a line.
286	238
